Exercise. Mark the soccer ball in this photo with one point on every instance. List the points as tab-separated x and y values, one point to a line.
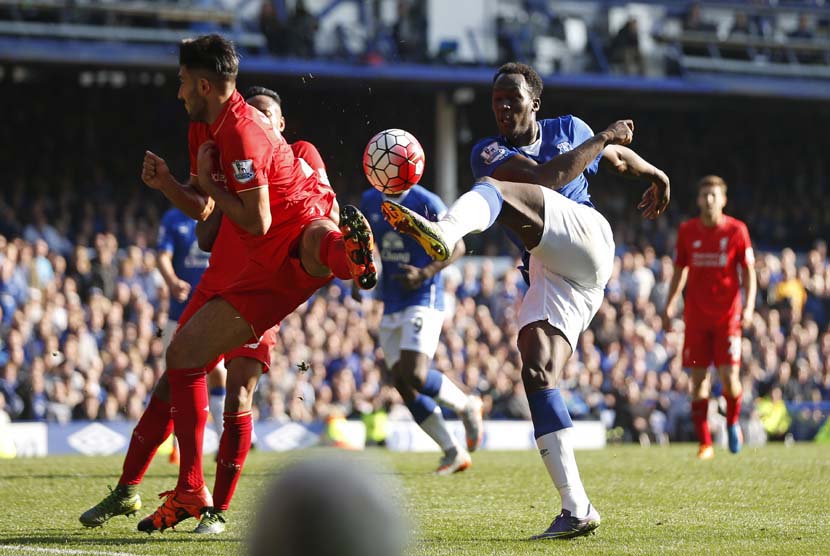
393	161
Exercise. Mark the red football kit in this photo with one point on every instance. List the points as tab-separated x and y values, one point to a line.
712	312
227	258
271	282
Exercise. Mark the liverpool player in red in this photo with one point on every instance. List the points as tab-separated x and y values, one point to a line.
280	214
714	254
245	364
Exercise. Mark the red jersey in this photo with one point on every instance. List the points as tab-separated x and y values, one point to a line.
713	256
227	257
253	155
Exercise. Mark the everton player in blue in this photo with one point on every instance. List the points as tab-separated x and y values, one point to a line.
182	264
540	193
412	290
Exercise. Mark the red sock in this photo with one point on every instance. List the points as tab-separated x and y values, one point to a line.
189	401
700	410
233	449
733	409
152	429
333	254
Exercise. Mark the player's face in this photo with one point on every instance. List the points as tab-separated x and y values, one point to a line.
514	106
271	109
711	199
192	90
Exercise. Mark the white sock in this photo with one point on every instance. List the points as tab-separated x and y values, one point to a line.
451	395
436	428
558	456
217	409
469	214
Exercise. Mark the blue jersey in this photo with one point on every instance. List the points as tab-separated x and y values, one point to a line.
557	136
396	249
177	235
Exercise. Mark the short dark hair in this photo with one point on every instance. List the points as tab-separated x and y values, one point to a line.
534	82
210	53
257	90
711	180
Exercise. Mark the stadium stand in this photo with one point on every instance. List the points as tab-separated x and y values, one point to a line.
81	298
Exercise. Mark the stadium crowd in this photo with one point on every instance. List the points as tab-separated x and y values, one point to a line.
80	315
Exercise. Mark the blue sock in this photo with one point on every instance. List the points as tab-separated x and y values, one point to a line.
217	391
548	411
492	196
432	385
422	407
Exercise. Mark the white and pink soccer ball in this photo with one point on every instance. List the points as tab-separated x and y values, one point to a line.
393	161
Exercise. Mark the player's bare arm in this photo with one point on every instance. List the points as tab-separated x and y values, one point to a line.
413	277
749	283
678	282
206	231
186	197
250	210
179	289
563	169
626	162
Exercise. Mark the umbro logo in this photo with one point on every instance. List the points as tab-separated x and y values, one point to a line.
544	452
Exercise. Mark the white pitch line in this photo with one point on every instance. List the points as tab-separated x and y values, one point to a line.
20	549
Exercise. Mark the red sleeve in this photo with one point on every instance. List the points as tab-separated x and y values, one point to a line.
246	154
681	255
744	255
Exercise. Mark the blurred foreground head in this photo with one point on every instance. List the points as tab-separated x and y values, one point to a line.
323	507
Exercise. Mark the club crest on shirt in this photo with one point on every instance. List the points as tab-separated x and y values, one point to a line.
564	147
243	170
493	153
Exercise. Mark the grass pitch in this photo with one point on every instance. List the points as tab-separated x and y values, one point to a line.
771	500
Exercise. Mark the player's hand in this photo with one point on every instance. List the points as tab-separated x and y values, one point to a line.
620	132
746	317
411	277
207	158
668	317
179	290
154	171
656	197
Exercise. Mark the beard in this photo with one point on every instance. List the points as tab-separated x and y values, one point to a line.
196	110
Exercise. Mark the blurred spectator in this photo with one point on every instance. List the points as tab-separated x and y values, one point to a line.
410	31
624	51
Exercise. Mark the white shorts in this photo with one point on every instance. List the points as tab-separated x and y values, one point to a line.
569	268
415	328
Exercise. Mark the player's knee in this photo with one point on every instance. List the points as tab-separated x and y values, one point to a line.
403	387
535	378
176	354
162	389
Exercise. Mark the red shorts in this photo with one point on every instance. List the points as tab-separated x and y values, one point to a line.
273	283
705	344
259	351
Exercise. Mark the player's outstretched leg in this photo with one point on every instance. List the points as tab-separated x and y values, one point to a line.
122	500
152	429
475	211
359	244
